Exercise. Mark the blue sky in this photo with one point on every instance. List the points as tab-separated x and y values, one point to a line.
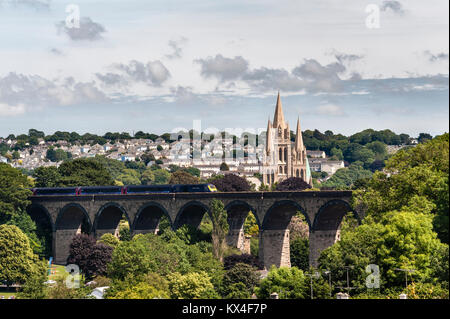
160	65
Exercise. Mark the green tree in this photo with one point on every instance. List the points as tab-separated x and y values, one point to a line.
61	291
47	176
345	178
35	133
240	273
439	266
379	148
17	260
109	239
414	175
299	248
161	176
152	286
401	239
13	192
34	287
424	137
114	167
84	172
124	229
56	155
183	177
191	286
147	158
144	254
364	155
130	177
251	225
147	177
193	171
337	153
130	258
220	227
426	291
289	283
40	239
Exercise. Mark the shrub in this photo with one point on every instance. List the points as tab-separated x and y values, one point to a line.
230	261
292	184
240	273
92	258
231	183
191	286
109	240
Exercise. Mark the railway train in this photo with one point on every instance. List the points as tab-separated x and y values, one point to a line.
124	190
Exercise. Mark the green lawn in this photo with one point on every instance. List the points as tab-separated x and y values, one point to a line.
7	293
60	271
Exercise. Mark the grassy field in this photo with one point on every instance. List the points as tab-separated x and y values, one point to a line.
57	271
7	293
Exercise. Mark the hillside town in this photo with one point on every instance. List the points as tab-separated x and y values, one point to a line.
175	153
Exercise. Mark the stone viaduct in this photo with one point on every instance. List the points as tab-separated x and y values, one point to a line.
100	214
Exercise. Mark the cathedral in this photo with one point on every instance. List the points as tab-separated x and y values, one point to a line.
282	157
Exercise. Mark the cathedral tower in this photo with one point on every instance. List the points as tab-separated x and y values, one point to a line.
283	158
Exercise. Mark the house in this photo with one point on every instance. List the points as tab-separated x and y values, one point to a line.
330	167
129	158
315	154
325	165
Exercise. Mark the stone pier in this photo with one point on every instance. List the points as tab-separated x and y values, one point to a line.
274	248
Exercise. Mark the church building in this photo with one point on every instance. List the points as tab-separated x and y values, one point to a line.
282	157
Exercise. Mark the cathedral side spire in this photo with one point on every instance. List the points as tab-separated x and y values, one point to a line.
298	138
268	136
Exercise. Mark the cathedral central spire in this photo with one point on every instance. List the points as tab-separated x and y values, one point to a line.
278	119
298	138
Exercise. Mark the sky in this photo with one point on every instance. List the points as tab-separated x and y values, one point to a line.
160	65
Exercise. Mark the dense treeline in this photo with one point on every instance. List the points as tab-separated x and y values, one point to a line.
313	140
405	227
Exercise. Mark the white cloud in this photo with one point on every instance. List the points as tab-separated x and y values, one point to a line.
152	73
19	92
330	110
11	110
88	30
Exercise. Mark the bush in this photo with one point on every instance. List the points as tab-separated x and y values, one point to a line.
238	291
231	183
92	258
289	283
292	283
109	240
34	288
145	254
152	286
62	291
426	291
230	261
292	184
300	253
124	230
191	286
240	274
